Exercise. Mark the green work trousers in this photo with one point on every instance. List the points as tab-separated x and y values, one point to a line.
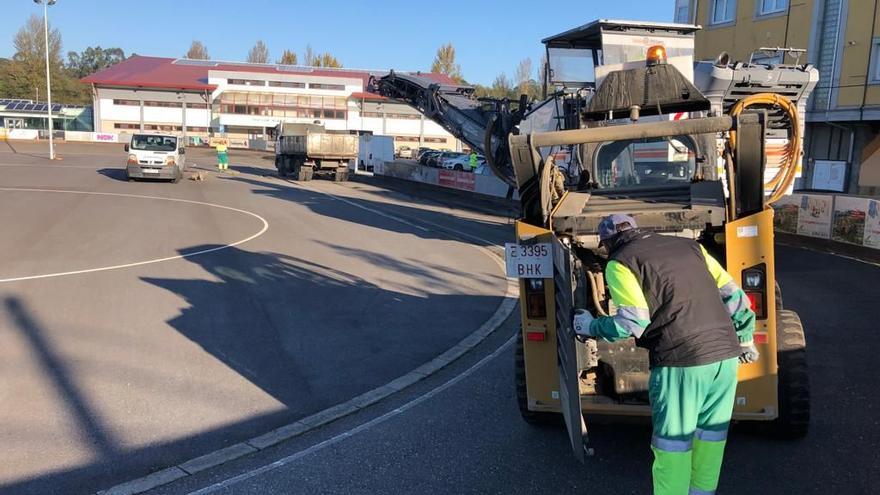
222	160
690	410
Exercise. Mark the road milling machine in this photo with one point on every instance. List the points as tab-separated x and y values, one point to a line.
631	124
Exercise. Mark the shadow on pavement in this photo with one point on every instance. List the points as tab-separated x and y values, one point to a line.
114	173
392	217
309	335
313	336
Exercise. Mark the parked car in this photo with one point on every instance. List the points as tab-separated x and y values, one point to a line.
462	162
426	156
421	151
155	156
405	152
437	160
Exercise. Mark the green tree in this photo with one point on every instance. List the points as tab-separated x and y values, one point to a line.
259	54
444	62
92	59
501	87
197	51
25	75
288	58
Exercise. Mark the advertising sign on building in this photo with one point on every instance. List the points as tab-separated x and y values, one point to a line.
457	180
814	215
848	224
102	137
785	215
872	224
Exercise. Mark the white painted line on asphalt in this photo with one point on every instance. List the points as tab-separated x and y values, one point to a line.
138	263
26	165
304	425
358	429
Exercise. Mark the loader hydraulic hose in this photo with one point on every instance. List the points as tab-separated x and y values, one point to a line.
788	169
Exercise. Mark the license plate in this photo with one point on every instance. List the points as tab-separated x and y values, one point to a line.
528	260
150	170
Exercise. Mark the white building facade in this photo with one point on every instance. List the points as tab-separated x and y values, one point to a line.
246	101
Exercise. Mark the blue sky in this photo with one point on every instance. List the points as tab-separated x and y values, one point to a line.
489	36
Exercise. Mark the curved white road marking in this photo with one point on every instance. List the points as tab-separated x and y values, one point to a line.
220	485
138	263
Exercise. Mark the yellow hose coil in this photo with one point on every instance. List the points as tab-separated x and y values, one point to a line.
784	178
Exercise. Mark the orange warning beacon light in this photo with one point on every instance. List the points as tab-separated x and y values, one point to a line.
656	55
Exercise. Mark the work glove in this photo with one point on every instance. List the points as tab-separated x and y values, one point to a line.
748	352
582	320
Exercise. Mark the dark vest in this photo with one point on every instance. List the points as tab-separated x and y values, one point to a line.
689	324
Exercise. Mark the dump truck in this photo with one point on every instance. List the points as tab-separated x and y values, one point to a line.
631	124
304	150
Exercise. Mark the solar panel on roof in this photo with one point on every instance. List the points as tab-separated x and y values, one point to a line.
29	107
198	63
41	107
56	108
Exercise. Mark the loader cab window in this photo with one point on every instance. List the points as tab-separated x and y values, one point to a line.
651	162
571	67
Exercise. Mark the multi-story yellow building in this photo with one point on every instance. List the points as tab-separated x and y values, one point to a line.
842	40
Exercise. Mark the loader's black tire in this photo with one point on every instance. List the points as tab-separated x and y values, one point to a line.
794	380
522	397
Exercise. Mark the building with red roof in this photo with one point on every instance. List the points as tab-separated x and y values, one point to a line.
243	101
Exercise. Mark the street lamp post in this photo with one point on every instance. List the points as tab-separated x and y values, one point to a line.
46	5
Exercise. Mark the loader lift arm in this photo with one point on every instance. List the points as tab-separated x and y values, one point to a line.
483	123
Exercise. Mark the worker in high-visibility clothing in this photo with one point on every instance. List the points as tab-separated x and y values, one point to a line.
222	156
697	324
473	161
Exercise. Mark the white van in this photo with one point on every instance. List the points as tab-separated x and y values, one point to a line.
155	156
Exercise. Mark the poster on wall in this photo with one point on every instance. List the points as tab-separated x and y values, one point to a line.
785	215
848	224
814	215
829	175
872	224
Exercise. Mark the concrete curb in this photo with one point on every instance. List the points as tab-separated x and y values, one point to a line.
321	418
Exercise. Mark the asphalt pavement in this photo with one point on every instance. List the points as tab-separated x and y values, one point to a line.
460	432
457	431
143	324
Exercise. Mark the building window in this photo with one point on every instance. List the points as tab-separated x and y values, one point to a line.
336	87
286	84
875	62
435	140
164	104
132	103
246	82
682	11
766	7
723	11
126	126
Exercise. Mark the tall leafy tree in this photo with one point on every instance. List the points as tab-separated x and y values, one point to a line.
259	54
197	51
25	75
502	87
444	62
327	60
315	59
523	76
288	58
92	59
